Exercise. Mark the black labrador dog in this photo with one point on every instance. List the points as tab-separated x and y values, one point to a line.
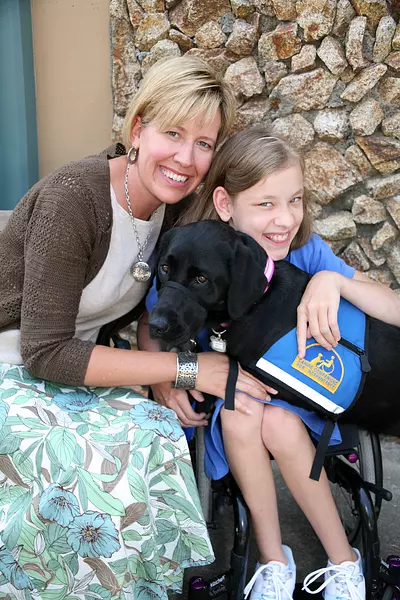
209	276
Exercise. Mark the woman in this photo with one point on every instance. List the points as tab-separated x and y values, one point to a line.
97	495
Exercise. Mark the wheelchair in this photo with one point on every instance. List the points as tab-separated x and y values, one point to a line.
354	469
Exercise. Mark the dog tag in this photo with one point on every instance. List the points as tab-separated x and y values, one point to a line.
217	343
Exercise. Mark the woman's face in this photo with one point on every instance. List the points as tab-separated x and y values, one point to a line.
271	211
173	162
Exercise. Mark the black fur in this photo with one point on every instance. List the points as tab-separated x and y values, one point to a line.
233	264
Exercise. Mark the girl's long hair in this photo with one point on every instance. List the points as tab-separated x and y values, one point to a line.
241	162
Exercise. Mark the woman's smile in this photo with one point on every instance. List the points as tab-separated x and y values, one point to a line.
173	177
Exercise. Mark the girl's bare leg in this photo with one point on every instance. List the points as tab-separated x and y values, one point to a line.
250	465
286	437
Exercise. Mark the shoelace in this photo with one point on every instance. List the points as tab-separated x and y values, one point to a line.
275	582
344	577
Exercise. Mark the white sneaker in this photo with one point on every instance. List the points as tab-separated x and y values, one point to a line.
274	580
342	582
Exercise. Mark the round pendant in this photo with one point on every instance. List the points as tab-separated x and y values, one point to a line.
140	271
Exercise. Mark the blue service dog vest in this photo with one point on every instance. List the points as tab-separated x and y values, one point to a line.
328	381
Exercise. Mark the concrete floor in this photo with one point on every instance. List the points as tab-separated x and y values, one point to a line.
297	533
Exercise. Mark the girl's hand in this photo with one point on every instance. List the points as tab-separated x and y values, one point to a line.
180	402
317	312
213	375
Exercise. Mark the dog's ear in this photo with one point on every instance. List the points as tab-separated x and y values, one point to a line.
247	275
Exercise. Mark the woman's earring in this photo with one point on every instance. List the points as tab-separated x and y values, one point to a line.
132	155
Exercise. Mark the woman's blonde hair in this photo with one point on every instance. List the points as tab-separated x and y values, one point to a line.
179	89
243	161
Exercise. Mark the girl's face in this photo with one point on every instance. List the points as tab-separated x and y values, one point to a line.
172	162
271	211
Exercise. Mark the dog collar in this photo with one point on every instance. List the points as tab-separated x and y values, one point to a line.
269	271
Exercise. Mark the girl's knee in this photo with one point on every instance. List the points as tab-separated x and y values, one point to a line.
241	428
282	429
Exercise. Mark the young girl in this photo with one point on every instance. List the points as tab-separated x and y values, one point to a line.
256	184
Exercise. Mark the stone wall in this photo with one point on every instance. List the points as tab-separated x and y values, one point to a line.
323	73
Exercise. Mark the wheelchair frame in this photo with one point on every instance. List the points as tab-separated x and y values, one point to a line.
382	578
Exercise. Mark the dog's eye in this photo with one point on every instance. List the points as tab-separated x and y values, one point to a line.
164	268
201	279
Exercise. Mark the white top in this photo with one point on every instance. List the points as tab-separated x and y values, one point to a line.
113	292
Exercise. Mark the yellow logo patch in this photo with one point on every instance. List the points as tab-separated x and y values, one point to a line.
322	366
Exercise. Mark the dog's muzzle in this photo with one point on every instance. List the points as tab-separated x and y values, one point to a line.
169	327
184	290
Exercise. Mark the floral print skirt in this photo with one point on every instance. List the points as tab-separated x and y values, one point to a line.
97	494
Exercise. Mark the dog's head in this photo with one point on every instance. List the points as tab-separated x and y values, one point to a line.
207	273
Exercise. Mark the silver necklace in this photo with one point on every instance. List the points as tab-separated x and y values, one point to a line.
140	269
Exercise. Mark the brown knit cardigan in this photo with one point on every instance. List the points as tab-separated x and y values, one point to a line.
54	244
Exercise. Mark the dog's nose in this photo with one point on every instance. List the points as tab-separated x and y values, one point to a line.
158	326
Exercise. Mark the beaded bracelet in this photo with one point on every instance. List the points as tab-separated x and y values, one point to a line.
187	369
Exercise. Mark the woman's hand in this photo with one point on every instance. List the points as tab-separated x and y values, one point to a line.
180	402
318	310
245	403
213	375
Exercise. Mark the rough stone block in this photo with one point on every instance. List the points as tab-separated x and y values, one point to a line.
377	257
393	208
383	187
316	17
189	15
354	43
355	257
305	59
184	42
383	38
152	28
384	237
366	117
274	71
363	82
389	90
245	78
242	39
306	91
393	60
331	53
373	10
357	158
393	261
391	126
339	226
396	38
331	125
253	111
327	173
162	49
296	129
366	210
344	15
285	10
383	152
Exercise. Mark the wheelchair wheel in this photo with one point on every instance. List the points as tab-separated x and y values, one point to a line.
390	594
203	483
366	459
